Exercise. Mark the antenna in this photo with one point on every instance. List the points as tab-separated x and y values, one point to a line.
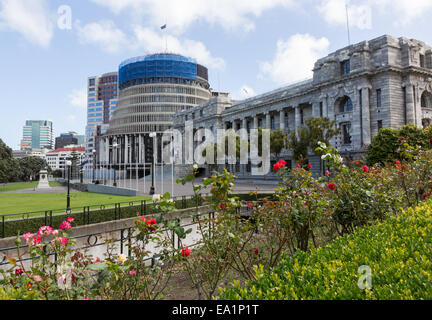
348	26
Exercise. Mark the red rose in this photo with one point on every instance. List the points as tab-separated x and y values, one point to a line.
250	204
310	166
298	165
29	286
357	163
19	272
430	140
276	167
398	162
426	195
202	198
332	186
256	251
186	252
365	169
221	205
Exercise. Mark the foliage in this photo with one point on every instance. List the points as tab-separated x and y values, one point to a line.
391	144
397	252
30	167
278	142
316	130
9	168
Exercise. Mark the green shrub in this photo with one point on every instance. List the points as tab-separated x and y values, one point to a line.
397	251
9	293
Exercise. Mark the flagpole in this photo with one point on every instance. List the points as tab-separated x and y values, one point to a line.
348	28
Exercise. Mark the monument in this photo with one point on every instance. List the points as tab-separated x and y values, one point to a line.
43	180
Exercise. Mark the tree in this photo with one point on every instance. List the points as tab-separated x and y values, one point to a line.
278	142
9	169
316	130
391	144
30	167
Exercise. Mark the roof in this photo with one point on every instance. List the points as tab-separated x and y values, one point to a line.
77	149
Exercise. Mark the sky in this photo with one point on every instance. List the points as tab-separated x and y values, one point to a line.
49	48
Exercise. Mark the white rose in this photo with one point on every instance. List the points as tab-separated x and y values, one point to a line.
156	197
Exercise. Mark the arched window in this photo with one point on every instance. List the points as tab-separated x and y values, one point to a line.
426	100
346	105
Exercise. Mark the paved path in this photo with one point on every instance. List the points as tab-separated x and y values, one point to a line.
50	190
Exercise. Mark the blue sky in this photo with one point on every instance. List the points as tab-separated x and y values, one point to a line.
257	45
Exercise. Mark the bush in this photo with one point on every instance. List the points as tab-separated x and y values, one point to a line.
9	293
397	252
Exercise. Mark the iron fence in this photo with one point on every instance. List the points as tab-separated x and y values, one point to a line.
124	238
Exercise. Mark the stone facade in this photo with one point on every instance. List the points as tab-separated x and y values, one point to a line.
384	82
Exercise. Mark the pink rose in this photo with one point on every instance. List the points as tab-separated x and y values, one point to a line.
132	273
70	219
65	225
45	231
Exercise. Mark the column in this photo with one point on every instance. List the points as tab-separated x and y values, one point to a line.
366	124
410	104
244	123
297	119
268	120
315	110
126	149
282	120
418	108
140	149
255	122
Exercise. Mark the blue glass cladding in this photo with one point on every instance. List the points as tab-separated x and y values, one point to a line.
157	66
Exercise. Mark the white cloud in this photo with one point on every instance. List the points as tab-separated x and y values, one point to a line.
152	41
30	18
180	14
406	10
78	98
334	13
104	34
245	92
295	58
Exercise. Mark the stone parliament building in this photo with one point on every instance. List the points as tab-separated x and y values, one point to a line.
384	82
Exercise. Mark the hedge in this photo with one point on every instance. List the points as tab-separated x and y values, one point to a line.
398	252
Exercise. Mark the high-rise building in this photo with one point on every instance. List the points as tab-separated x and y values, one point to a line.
70	138
152	89
102	101
37	134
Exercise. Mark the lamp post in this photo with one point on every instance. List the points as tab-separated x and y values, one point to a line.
94	164
152	188
68	163
115	145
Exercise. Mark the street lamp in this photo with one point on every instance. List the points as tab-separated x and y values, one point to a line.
152	188
94	165
69	164
115	145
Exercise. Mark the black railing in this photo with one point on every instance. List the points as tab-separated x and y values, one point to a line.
124	239
12	224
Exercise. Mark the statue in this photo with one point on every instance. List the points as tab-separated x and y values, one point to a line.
43	180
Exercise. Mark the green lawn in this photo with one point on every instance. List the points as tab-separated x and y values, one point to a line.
25	185
23	202
18	186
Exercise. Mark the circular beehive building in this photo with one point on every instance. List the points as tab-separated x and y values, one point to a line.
152	89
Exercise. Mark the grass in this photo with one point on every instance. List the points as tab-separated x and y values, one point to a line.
27	202
25	185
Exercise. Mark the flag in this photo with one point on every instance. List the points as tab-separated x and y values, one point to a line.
84	163
164	26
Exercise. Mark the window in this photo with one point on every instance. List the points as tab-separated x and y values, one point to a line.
379	98
301	116
346	133
91	82
321	109
286	121
422	61
346	67
380	125
272	122
346	105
